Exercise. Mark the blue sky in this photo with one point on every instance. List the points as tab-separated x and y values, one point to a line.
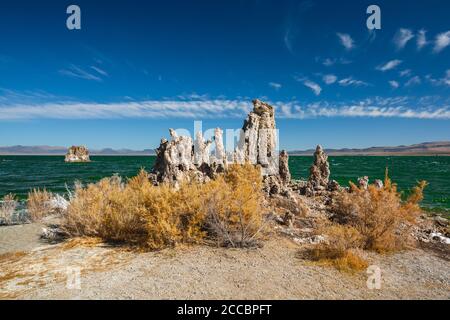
137	68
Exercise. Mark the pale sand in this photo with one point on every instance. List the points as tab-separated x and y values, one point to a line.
22	237
275	271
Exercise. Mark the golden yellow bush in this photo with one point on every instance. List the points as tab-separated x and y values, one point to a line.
233	206
106	210
379	214
171	215
340	248
38	204
137	212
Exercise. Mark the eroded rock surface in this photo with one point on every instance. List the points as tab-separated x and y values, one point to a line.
182	159
319	171
77	154
363	182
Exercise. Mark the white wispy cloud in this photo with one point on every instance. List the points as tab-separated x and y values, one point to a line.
444	81
346	40
328	62
354	111
413	81
377	107
442	41
135	109
288	40
100	71
329	78
10	97
275	85
394	84
421	39
389	65
402	37
77	72
313	86
352	82
405	73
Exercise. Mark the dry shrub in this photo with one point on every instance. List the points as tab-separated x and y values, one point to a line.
137	212
106	210
7	209
38	204
171	215
383	220
340	248
371	219
233	206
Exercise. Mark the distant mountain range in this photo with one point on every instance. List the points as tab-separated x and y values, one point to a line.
49	150
426	148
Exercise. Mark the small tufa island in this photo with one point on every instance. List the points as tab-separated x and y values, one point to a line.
77	154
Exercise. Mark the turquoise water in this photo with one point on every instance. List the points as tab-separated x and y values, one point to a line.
19	174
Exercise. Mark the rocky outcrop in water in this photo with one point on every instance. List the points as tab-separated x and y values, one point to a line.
182	159
77	154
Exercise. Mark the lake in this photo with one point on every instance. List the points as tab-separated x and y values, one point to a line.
19	174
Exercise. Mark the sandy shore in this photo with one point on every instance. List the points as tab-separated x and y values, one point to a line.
22	237
36	270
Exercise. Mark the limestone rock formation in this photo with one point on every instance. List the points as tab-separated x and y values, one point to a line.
363	182
378	184
259	146
182	159
258	139
285	174
175	159
333	185
319	171
77	154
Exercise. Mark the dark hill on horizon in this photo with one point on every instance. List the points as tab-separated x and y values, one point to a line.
425	148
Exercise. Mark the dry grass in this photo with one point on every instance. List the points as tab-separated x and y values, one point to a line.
340	249
12	256
7	209
383	220
139	213
38	204
81	242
